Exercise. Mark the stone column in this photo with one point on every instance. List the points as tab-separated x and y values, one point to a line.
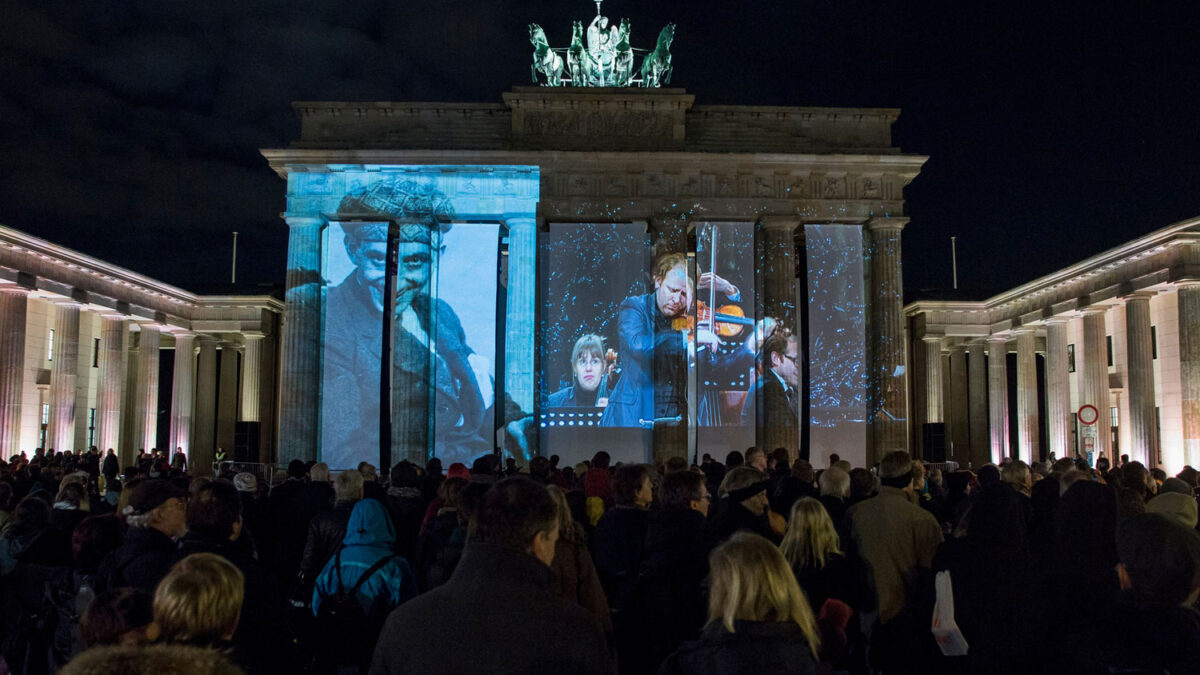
959	436
1058	388
206	404
887	393
300	390
777	297
111	385
977	402
64	374
1143	426
268	370
131	435
14	302
998	397
933	379
183	394
251	378
1027	399
1189	369
521	312
227	396
146	400
1095	375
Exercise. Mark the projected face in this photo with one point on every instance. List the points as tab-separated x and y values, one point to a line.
786	365
370	261
672	293
589	369
412	274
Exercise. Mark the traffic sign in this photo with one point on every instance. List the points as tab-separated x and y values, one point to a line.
1088	414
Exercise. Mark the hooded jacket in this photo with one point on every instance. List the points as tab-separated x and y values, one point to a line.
370	536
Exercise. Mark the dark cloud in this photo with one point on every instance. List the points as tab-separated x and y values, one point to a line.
131	129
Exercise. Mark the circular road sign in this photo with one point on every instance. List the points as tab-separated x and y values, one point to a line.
1088	414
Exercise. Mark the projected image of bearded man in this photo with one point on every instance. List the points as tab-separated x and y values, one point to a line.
462	388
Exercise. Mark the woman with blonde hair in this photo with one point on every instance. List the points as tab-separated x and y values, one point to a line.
759	620
813	548
199	602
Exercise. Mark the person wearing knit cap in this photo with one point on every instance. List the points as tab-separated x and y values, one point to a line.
458	470
1182	508
742	506
417	216
245	482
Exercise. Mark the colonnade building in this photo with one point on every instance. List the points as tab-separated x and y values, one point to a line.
1115	337
92	354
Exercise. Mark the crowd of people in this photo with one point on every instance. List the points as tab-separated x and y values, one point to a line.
759	564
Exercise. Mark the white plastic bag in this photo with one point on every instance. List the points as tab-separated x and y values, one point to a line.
949	638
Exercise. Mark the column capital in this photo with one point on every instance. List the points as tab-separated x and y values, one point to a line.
253	335
932	339
1094	310
780	223
886	223
1139	295
303	220
998	339
14	289
1057	320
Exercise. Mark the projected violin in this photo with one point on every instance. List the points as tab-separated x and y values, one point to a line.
730	319
612	367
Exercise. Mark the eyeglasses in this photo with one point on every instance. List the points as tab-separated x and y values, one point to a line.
791	358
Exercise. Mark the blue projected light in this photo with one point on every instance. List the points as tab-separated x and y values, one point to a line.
837	341
447	356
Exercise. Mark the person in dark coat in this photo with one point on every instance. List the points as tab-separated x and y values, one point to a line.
620	533
32	538
290	512
440	531
759	621
670	603
812	547
71	507
111	465
214	522
1081	580
575	578
497	614
990	571
406	504
1153	626
156	516
328	528
743	506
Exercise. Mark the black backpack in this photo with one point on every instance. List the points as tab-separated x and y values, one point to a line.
344	627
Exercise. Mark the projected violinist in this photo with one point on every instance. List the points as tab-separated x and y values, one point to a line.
659	338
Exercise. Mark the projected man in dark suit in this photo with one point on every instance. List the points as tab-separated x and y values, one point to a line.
775	391
655	351
439	385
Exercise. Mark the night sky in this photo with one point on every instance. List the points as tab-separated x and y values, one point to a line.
130	130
